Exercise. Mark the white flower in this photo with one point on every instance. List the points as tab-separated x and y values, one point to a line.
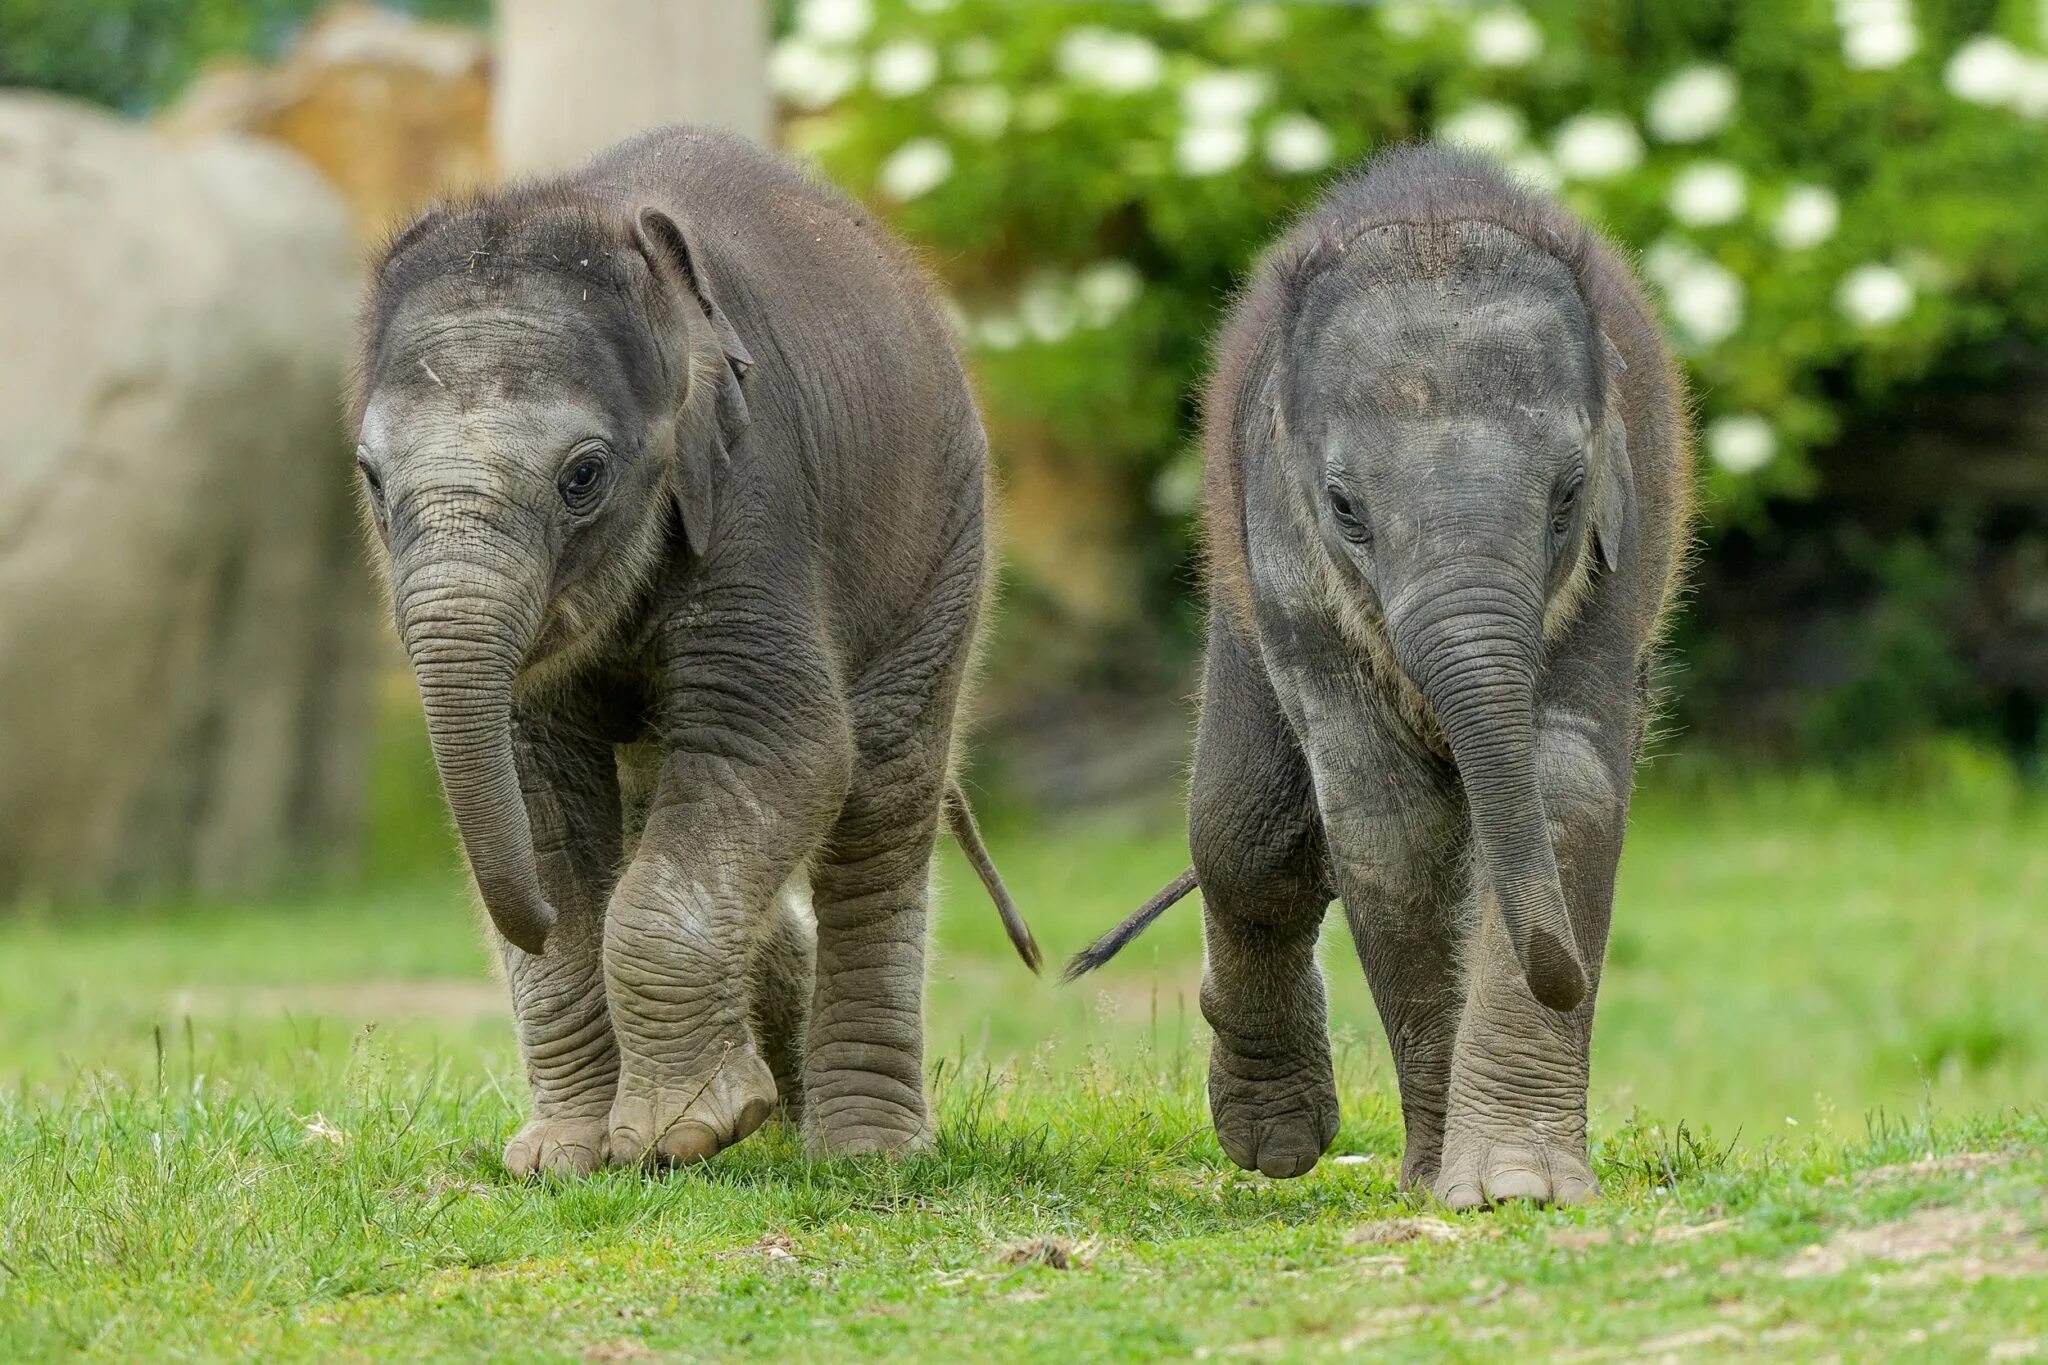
1874	295
1694	104
1876	34
1505	37
1297	144
1224	96
2030	100
833	21
810	76
1707	193
1741	443
1408	18
998	332
1049	311
1106	289
1211	148
1257	23
1484	126
903	67
1806	218
1596	146
1705	300
917	167
1986	70
1112	61
976	57
1666	259
1535	170
981	110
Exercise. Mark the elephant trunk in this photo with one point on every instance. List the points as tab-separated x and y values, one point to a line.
1472	652
466	642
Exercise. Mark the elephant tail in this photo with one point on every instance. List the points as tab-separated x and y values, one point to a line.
960	820
1112	943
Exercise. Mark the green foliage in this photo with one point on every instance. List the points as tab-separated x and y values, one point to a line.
134	55
1828	199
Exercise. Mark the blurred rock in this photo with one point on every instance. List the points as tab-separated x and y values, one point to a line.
393	111
182	602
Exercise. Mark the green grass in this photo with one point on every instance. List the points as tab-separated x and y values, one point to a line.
1822	1059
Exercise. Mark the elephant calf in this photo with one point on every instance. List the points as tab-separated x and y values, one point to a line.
682	497
1447	502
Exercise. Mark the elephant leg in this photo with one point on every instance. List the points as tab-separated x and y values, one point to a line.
558	998
783	975
1257	845
1397	846
864	1062
871	883
1515	1126
720	841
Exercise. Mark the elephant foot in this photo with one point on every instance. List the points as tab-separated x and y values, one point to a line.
866	1128
1276	1121
1419	1174
557	1146
1483	1169
676	1123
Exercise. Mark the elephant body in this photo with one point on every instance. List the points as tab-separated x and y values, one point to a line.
683	497
1447	502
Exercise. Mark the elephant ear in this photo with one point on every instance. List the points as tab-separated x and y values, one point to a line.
1609	471
433	218
700	463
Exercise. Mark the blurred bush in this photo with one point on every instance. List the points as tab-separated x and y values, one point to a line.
1825	198
133	55
1831	202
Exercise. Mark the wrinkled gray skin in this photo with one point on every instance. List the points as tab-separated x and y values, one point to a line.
682	493
1446	505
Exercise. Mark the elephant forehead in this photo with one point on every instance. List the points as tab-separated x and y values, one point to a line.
483	349
436	424
1411	356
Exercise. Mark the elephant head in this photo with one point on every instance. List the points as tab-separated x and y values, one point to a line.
547	395
1457	452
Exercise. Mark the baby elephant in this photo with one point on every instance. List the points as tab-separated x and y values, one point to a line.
682	496
1446	505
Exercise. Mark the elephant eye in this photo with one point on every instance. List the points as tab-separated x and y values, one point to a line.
583	481
372	480
1348	520
1567	502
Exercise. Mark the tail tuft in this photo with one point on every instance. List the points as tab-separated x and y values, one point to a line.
1112	943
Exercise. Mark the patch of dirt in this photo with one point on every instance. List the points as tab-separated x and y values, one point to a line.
1060	1253
1928	1235
1382	1267
1394	1231
1570	1238
357	1001
1686	1232
625	1348
1382	1323
773	1246
1698	1336
1967	1164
